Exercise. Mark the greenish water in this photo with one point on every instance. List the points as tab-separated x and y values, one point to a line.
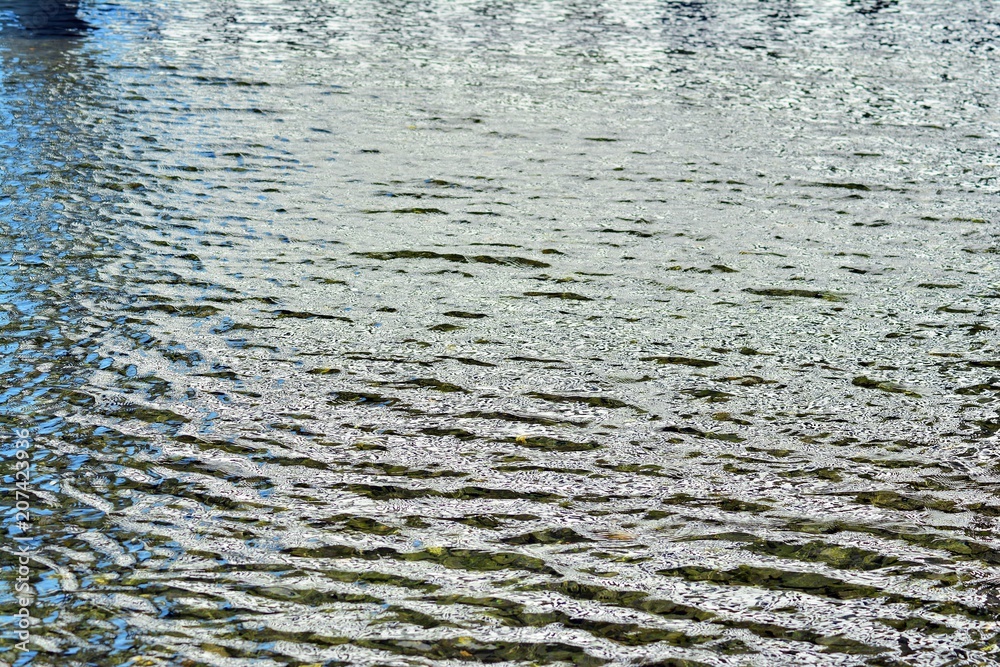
436	333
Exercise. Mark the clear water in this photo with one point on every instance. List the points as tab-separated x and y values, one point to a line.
444	332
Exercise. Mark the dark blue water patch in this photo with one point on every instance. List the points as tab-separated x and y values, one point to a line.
47	18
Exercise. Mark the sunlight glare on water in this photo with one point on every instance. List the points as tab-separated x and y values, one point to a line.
437	332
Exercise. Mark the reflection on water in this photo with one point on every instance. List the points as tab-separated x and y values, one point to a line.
396	332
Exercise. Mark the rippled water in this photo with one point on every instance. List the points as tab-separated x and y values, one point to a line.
441	332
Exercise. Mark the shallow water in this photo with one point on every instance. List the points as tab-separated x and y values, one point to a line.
413	333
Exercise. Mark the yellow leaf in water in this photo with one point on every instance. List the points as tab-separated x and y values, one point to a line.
619	536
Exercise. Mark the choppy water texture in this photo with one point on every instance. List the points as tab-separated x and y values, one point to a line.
445	332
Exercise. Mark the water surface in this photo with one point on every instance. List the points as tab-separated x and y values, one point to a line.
444	332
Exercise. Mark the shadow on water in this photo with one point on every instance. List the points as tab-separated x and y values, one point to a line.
47	18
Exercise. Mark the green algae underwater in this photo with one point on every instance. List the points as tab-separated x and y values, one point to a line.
445	332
